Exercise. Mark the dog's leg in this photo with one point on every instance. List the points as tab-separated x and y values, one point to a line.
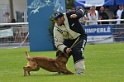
29	73
62	67
25	72
27	69
65	70
68	72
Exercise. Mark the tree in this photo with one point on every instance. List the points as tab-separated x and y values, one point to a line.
69	4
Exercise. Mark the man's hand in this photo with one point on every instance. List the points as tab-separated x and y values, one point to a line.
68	50
73	16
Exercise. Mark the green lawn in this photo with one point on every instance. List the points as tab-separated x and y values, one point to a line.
104	63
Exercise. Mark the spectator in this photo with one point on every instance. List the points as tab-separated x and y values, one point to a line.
18	34
118	16
122	16
17	31
109	13
92	16
118	13
8	18
103	15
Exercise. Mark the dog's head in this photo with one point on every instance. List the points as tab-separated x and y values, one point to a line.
61	56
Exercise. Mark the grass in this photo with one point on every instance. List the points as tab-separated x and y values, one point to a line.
104	63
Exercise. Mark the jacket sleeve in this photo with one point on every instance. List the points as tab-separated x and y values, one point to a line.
122	16
80	13
58	40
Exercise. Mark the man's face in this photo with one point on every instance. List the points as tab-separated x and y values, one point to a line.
60	21
120	7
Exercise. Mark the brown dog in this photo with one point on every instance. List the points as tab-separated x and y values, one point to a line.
53	65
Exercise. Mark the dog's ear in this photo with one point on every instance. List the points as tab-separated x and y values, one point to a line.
58	53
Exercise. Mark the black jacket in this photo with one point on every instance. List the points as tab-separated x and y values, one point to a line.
122	16
75	25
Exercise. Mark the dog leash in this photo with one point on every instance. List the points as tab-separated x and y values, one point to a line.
75	43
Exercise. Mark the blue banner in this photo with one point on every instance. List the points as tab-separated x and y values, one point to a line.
98	30
99	33
59	5
39	13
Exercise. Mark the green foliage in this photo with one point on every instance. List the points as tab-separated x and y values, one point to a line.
70	4
104	63
51	27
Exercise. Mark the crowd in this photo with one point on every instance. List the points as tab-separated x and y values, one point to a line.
93	14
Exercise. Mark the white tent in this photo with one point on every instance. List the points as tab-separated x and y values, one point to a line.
88	3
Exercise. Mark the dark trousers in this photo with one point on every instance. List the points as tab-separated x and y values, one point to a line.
77	50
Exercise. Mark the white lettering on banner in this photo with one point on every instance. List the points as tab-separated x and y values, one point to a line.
6	33
98	30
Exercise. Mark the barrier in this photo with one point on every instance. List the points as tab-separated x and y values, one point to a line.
99	33
105	33
14	35
118	32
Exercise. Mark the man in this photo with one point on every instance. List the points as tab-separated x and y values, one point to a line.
110	13
103	15
70	36
119	12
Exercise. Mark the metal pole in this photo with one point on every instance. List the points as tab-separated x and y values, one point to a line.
11	9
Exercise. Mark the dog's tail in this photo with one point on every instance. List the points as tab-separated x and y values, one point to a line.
27	56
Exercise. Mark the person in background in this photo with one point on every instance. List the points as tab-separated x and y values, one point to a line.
8	18
92	16
67	32
118	22
122	17
103	15
118	13
110	13
17	32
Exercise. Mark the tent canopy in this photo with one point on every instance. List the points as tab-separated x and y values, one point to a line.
119	2
88	3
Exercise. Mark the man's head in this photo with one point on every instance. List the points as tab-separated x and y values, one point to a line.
120	6
102	9
59	18
93	8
